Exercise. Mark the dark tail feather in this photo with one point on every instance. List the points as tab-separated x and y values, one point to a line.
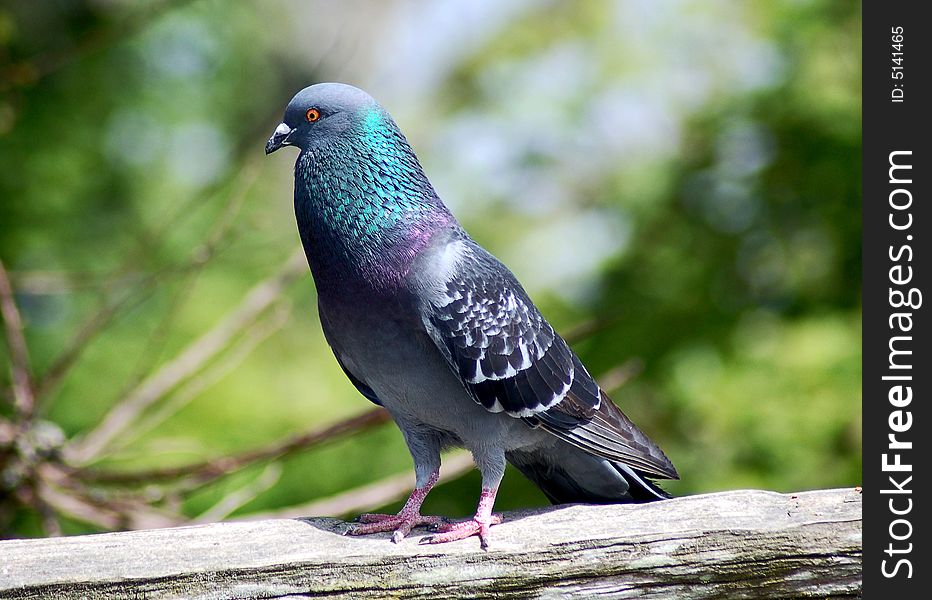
566	474
643	489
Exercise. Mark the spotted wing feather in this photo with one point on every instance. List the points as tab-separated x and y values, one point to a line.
510	360
507	355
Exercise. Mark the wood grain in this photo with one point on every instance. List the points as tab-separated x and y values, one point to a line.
740	544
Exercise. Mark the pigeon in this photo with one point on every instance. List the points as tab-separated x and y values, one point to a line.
429	325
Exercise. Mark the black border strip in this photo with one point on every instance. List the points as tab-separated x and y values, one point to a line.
896	270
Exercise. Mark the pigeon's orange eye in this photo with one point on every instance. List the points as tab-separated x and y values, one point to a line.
312	115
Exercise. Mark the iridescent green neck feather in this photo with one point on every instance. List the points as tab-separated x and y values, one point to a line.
363	204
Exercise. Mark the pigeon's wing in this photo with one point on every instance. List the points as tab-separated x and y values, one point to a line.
510	360
608	433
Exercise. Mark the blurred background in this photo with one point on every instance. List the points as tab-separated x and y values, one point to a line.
677	184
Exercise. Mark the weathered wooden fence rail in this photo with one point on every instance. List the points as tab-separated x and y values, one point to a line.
742	544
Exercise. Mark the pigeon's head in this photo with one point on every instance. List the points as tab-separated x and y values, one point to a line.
320	113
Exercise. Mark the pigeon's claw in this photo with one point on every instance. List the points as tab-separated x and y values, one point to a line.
451	532
400	525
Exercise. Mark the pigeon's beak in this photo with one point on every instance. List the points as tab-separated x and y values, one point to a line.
279	138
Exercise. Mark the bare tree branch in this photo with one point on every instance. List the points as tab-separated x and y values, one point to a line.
107	513
209	470
48	283
586	329
200	257
255	335
50	524
23	397
618	376
59	368
266	479
368	497
190	361
145	284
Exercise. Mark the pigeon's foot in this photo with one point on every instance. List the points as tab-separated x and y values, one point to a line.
400	524
451	532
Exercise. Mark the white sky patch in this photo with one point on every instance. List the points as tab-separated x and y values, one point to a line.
435	36
630	122
133	138
197	153
181	47
564	256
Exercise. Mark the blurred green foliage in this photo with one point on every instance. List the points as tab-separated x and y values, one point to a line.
687	174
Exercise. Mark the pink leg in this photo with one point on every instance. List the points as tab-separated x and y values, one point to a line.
478	525
402	523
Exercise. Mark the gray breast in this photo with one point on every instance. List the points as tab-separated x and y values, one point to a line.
390	354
